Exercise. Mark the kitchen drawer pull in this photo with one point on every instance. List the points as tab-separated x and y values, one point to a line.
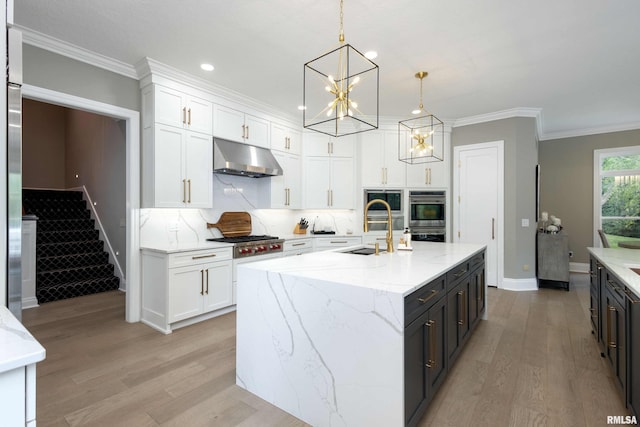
631	297
184	191
298	244
459	273
203	256
201	282
431	363
184	115
189	116
424	300
207	283
610	344
613	285
338	241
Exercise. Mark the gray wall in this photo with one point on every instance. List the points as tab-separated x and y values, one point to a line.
43	145
59	73
96	152
566	184
520	159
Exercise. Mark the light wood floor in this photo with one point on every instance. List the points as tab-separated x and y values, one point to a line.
533	363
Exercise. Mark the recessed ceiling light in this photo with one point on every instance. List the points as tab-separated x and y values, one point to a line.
301	107
206	67
372	54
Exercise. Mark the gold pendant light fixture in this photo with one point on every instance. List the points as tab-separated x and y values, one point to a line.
421	139
340	95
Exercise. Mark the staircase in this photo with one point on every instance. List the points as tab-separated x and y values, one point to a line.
70	257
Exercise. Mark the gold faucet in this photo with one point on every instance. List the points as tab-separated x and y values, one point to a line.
389	238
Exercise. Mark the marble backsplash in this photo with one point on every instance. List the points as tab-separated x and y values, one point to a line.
177	227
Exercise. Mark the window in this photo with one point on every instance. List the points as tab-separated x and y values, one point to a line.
617	194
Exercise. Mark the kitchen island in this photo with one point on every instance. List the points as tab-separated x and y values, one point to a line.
339	339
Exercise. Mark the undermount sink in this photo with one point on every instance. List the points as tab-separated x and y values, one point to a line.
634	267
361	251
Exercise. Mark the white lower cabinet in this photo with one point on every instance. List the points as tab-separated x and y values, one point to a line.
326	243
185	287
297	247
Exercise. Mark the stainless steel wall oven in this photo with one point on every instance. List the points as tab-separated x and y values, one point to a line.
428	215
395	198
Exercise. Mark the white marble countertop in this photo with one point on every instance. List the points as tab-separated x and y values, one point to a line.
17	346
398	272
618	261
184	247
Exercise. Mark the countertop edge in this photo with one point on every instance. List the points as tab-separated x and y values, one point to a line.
617	260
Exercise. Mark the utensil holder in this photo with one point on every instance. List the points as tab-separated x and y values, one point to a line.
298	230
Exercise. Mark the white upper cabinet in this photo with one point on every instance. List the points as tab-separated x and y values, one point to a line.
433	174
286	189
174	108
319	144
179	170
328	183
380	166
238	126
285	139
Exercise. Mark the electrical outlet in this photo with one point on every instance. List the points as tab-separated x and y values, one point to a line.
525	222
525	267
570	254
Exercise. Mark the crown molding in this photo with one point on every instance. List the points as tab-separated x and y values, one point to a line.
535	113
77	53
590	131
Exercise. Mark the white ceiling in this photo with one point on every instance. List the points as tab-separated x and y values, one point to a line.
576	60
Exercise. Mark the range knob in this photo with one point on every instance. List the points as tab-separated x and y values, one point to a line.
262	248
275	246
245	251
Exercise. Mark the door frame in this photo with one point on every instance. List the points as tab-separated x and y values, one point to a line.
500	214
132	118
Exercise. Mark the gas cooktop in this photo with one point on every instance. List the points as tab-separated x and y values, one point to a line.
242	239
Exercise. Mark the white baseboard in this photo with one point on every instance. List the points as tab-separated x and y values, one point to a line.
29	302
578	267
529	284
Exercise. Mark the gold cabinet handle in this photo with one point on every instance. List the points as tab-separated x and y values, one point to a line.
631	297
189	183
184	191
184	115
610	309
244	132
328	198
201	282
493	228
331	192
431	363
207	282
298	244
424	300
203	256
459	273
460	320
594	313
189	115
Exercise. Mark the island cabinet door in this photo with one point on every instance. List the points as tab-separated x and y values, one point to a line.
615	350
633	357
457	318
416	393
425	360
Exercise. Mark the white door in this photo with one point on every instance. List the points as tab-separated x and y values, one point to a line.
478	195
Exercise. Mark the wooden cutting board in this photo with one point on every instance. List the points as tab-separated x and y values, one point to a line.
233	224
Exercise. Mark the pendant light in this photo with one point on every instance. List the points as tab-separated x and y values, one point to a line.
421	139
340	94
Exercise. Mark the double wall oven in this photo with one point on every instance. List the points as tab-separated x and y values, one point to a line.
427	216
395	198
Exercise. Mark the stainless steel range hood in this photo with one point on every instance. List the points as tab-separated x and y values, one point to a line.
234	158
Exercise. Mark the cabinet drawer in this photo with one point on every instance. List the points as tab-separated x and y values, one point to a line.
199	257
322	243
616	288
297	244
457	274
476	260
422	299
